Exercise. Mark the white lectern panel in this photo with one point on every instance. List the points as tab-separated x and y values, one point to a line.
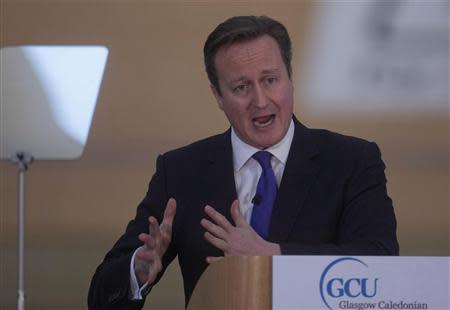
363	282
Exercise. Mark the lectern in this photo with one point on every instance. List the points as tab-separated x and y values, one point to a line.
324	282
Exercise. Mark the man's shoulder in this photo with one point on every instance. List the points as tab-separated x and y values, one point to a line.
334	143
199	148
328	138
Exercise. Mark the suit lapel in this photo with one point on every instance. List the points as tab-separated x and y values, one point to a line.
299	174
219	177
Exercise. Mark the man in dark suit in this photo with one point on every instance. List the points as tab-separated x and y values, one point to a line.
267	186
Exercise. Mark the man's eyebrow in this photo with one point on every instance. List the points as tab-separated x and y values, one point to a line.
265	71
237	80
270	71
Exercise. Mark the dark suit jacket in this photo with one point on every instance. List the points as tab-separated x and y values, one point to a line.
332	200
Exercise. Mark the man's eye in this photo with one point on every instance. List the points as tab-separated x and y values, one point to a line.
240	88
271	80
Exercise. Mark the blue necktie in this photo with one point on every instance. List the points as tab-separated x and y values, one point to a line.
266	192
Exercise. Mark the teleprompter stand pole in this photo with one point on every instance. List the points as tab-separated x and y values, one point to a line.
22	160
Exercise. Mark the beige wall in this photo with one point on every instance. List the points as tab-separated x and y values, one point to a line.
155	97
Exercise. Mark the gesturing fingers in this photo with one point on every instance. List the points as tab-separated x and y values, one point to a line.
213	228
169	215
149	242
218	218
148	259
154	229
217	242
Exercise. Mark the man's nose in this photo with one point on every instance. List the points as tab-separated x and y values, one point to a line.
260	99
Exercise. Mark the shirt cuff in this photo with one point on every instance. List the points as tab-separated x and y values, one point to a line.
135	291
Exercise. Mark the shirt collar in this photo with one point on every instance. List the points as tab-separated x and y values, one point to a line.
242	151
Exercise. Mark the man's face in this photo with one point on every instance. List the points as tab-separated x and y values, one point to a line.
256	91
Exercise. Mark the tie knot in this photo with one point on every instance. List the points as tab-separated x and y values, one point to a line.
263	158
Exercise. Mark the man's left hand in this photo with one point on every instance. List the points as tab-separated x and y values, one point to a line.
235	240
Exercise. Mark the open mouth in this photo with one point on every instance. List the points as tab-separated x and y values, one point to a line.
263	121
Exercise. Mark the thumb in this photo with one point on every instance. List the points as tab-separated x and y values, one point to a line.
236	215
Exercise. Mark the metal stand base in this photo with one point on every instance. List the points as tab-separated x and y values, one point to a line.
22	161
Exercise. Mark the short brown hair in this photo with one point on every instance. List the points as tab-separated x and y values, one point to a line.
241	29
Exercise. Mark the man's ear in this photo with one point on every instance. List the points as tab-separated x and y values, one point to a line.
217	95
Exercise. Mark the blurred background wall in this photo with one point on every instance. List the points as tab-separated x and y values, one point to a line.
154	97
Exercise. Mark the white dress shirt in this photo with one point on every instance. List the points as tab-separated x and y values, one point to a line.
247	172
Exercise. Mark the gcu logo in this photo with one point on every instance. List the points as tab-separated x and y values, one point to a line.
346	288
350	287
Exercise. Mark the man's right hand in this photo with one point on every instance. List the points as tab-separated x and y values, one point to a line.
148	259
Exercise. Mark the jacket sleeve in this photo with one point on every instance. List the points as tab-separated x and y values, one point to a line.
367	225
110	284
